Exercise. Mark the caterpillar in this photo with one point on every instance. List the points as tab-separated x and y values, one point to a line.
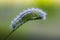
26	15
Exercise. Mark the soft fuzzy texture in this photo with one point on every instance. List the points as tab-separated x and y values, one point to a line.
23	17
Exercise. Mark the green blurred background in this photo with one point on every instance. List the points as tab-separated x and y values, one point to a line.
50	27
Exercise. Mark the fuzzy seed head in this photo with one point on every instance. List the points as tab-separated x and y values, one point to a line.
30	13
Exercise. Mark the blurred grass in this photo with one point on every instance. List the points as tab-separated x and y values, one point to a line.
50	27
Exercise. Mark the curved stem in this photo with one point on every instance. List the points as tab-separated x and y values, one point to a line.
9	35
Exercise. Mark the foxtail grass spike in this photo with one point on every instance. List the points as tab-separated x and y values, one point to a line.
26	15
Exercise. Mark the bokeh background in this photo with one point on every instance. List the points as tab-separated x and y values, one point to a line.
49	28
